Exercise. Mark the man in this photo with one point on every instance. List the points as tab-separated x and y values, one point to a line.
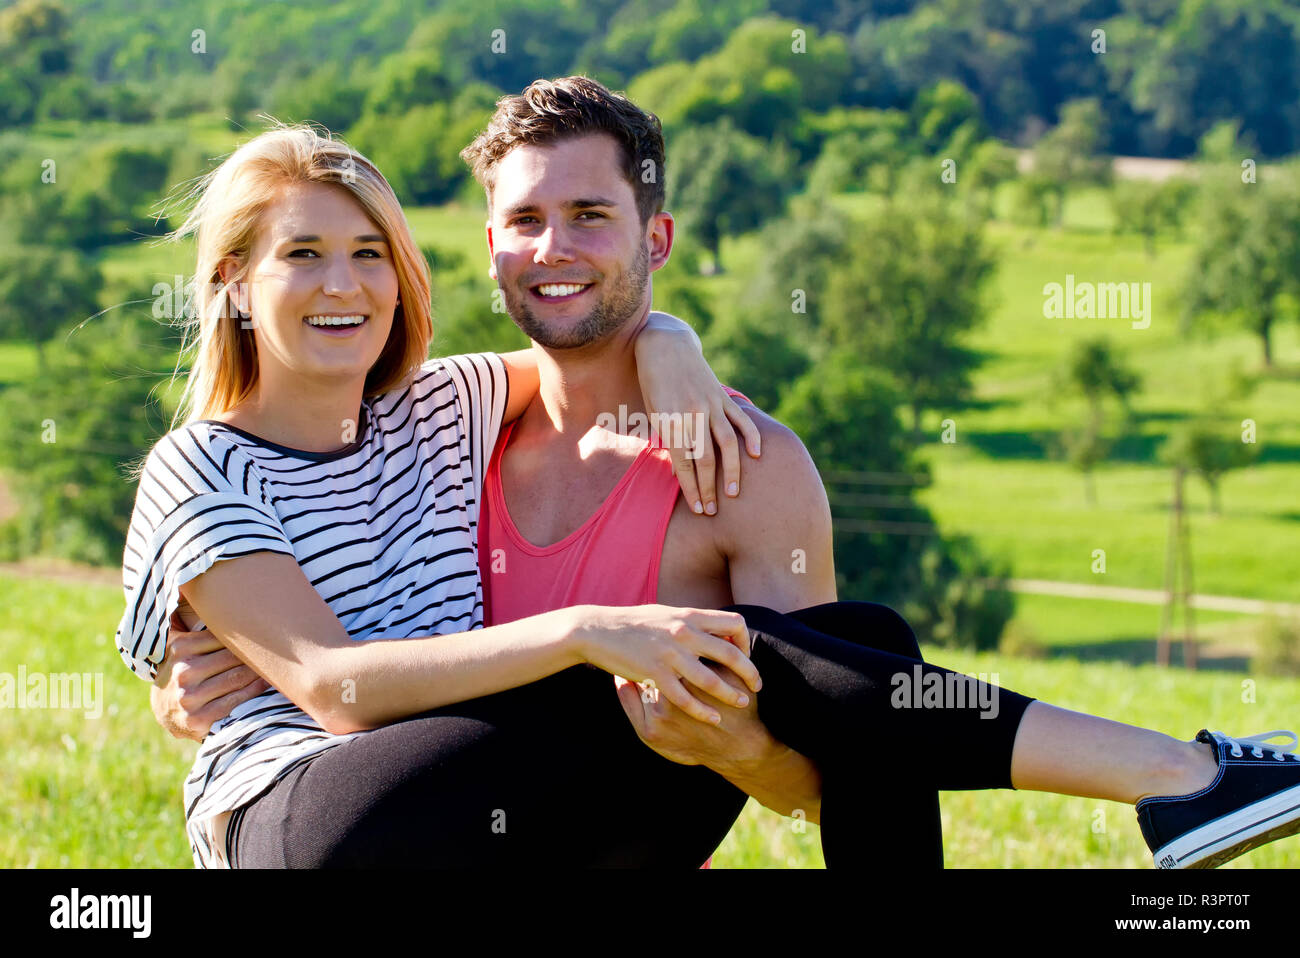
576	513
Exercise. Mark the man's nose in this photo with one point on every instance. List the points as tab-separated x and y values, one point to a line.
553	246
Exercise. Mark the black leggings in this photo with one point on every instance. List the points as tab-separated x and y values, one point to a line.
553	772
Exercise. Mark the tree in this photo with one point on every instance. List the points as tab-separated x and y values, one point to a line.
1070	154
910	290
44	290
1092	371
419	148
762	79
887	548
1200	449
845	413
857	150
1247	247
1212	60
723	182
1150	208
36	47
70	448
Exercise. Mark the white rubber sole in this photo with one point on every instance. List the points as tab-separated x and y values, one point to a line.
1236	833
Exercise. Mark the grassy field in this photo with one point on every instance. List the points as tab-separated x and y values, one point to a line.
105	791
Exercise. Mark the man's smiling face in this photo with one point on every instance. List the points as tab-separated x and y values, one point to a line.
568	247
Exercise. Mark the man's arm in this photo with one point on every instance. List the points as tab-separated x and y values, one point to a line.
776	538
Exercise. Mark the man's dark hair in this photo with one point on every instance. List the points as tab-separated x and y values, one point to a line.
552	110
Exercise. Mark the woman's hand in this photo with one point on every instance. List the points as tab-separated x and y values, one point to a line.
661	646
199	681
690	411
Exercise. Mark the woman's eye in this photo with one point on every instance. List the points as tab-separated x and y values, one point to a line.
297	251
373	253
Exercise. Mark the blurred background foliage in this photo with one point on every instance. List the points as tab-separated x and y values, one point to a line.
869	194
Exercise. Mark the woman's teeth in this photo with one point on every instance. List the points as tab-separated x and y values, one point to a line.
561	289
356	320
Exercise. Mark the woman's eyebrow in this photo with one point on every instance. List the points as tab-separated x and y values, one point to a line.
365	238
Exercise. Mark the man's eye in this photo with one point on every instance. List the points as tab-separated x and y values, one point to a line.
592	213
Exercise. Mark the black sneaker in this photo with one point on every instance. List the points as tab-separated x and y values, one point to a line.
1255	799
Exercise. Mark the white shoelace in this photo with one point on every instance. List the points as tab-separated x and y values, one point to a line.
1257	744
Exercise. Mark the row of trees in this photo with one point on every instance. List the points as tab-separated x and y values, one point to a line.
1163	72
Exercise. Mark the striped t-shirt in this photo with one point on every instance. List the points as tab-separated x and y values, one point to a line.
386	529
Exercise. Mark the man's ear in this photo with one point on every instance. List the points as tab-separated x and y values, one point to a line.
492	254
660	237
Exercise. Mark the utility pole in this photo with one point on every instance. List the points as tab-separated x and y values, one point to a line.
1178	579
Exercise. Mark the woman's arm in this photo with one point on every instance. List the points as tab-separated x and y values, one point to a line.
521	373
681	394
264	610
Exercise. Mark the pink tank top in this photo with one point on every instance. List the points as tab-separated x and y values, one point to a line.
611	559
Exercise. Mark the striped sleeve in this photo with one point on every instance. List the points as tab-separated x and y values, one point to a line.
482	385
198	502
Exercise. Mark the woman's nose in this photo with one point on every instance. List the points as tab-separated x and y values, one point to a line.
341	277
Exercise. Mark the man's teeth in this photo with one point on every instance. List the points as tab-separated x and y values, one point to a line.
561	289
336	320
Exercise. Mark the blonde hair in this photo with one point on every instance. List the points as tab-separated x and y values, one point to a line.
225	217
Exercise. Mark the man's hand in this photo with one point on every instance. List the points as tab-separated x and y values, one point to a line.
199	681
740	749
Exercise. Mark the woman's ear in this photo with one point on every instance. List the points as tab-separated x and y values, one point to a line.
238	292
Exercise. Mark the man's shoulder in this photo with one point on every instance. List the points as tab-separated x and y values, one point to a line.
782	455
782	482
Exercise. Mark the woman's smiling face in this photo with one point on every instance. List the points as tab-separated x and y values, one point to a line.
322	286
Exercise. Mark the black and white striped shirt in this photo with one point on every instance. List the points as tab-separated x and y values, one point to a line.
386	529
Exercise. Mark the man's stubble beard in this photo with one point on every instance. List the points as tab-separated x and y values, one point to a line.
622	302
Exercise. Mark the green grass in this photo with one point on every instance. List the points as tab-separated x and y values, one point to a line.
1014	829
106	792
77	791
1003	440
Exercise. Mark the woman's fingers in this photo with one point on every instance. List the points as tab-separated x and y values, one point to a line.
748	428
203	720
704	678
684	469
180	644
729	449
700	455
729	626
688	703
195	668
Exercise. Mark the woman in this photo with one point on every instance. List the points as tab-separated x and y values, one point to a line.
472	732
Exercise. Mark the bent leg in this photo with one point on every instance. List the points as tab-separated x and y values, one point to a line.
907	830
842	704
